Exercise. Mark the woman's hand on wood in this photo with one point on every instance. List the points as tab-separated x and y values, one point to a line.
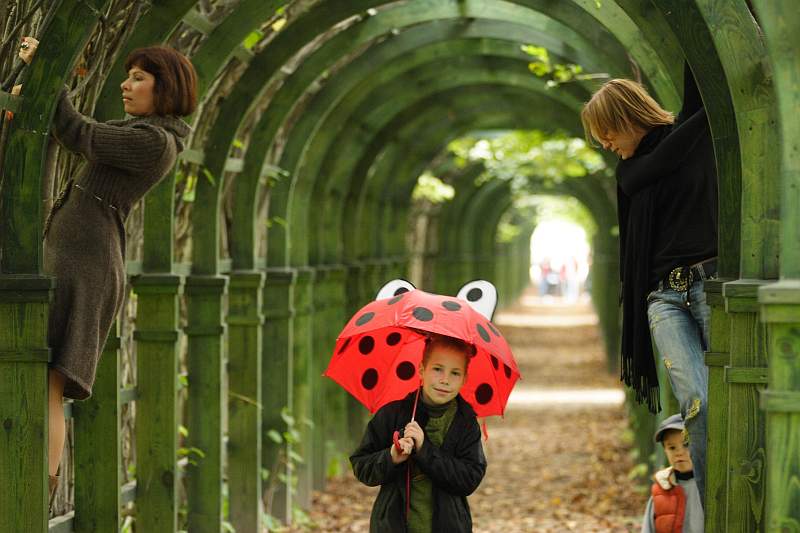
27	49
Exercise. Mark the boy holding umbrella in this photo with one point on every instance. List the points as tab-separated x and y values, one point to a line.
448	460
429	365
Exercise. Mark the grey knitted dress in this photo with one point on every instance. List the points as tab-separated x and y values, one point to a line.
84	244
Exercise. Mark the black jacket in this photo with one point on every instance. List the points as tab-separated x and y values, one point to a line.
456	469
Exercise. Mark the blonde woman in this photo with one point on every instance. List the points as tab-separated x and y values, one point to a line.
667	208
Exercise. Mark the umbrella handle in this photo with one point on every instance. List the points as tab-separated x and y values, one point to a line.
416	401
396	439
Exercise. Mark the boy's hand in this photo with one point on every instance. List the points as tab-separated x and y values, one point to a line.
406	446
414	431
665	478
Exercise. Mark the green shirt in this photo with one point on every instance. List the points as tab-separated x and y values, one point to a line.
420	516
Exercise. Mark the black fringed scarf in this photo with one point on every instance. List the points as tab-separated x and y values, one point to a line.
636	215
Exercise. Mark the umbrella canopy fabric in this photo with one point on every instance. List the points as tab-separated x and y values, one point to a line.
378	353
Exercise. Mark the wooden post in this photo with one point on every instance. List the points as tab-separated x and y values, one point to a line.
717	358
302	401
24	306
205	333
245	350
98	450
156	444
277	385
745	376
780	310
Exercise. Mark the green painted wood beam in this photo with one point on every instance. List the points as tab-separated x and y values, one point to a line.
21	222
782	32
98	483
225	40
419	148
239	106
428	77
432	87
311	16
339	163
156	440
24	354
393	54
24	293
780	302
743	56
272	240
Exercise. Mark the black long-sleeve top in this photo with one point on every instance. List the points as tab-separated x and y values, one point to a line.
667	199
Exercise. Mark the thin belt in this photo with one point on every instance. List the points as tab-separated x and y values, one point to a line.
104	202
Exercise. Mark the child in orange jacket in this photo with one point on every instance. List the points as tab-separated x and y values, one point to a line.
674	505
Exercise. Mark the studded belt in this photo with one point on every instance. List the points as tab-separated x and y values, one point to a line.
681	278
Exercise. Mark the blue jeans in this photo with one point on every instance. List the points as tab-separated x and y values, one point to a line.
681	332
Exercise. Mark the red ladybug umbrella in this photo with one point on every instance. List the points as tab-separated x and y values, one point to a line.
378	353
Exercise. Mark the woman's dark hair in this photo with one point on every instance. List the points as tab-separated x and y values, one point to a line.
175	91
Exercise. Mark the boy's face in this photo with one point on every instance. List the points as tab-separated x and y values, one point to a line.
677	451
443	375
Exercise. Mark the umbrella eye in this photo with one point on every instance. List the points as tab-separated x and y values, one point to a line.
481	295
394	288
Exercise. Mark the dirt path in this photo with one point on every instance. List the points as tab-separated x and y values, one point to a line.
558	462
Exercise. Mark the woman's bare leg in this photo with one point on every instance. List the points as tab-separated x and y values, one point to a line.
57	425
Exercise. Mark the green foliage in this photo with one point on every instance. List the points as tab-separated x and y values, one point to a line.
286	460
530	160
557	73
507	231
189	189
252	39
432	189
271	221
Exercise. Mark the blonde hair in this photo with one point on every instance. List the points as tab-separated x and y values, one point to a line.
619	106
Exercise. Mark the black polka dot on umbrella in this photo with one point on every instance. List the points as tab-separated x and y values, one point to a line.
400	290
494	330
366	344
483	333
369	378
474	294
484	393
507	370
423	314
395	299
451	306
405	370
393	338
495	362
363	319
345	345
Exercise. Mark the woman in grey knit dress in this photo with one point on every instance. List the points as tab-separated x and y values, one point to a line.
84	236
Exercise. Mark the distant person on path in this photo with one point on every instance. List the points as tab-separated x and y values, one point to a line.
84	236
667	208
674	503
443	443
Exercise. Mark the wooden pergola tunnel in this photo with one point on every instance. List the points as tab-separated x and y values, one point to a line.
316	120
